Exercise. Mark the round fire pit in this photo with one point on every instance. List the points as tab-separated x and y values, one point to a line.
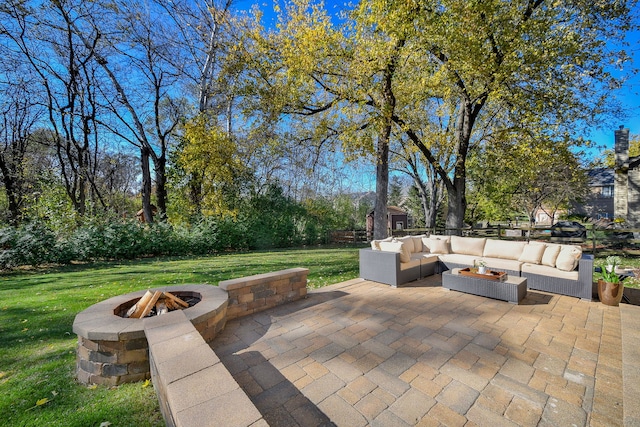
113	349
189	298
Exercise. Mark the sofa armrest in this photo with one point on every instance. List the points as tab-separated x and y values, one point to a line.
380	266
585	276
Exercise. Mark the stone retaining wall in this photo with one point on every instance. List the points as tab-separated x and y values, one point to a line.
174	350
252	294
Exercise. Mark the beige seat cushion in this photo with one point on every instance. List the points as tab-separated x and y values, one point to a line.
545	270
532	254
505	249
413	263
458	259
398	247
468	245
500	264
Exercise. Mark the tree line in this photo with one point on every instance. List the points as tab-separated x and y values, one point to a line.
191	108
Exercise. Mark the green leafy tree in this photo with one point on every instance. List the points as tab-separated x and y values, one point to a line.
511	60
525	176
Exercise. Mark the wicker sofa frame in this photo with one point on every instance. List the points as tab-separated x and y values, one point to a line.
385	267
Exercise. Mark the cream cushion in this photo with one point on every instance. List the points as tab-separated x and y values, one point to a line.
375	244
426	241
545	270
532	254
408	241
438	246
505	249
468	245
501	264
413	263
568	258
398	247
417	243
550	254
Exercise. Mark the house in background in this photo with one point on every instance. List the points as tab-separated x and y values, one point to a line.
397	219
599	204
615	193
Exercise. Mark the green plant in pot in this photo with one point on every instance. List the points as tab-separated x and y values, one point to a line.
610	288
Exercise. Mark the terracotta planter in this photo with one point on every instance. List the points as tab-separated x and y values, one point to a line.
610	293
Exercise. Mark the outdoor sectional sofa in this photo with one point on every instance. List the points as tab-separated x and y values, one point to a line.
549	267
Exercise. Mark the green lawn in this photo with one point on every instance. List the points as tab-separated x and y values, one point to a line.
37	344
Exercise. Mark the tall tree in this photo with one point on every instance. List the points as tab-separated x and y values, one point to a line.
45	40
541	64
19	115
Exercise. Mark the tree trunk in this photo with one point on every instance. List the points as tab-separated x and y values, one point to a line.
146	185
161	186
12	193
456	190
456	207
380	223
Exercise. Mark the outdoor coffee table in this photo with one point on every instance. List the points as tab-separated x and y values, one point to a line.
513	289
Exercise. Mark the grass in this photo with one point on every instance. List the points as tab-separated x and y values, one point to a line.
37	344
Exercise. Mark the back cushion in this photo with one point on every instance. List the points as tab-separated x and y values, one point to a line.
408	241
468	245
438	246
504	249
550	255
426	241
417	243
532	254
399	247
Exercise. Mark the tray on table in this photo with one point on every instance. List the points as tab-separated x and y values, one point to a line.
499	276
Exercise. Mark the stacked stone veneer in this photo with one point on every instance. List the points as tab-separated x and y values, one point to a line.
252	294
193	386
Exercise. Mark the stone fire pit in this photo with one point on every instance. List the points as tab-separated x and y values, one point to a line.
113	350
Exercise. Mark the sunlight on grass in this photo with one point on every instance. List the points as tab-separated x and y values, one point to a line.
37	350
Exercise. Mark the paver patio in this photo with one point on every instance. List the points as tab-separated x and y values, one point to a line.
361	353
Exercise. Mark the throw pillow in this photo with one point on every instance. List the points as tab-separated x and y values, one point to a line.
375	244
398	247
568	258
532	254
438	246
550	255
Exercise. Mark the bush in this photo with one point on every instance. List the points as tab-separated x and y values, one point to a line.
269	220
32	244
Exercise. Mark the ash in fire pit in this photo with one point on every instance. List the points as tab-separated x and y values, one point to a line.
157	303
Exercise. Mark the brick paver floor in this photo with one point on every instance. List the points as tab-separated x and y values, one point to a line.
361	353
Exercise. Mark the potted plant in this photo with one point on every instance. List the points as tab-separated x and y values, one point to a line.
482	267
610	287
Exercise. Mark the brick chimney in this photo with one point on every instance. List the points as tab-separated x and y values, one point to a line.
621	178
621	148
